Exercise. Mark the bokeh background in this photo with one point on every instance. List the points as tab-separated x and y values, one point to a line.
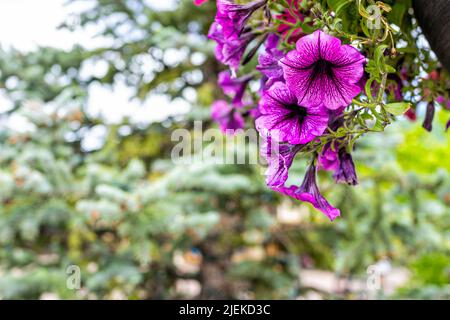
90	93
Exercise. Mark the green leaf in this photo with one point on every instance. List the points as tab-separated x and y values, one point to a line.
397	108
379	54
364	28
378	126
341	132
390	69
397	13
338	5
368	89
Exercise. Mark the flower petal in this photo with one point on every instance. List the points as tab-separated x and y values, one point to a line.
321	70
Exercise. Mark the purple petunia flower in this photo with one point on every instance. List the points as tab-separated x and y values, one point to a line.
272	42
268	61
228	118
279	158
231	13
287	121
443	102
231	48
339	161
200	2
309	192
230	32
216	33
345	172
329	158
322	70
235	88
429	116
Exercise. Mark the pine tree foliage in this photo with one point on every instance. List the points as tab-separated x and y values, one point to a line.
139	225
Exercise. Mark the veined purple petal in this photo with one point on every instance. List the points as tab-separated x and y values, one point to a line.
329	158
323	71
226	116
233	49
346	172
235	88
309	192
238	13
200	2
279	159
293	123
269	61
272	42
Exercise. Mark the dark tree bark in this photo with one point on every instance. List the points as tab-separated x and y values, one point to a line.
434	19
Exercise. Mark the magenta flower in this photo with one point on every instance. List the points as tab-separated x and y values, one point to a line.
230	48
329	158
235	88
340	162
254	113
443	102
279	158
200	2
309	192
268	62
323	71
429	116
286	30
228	118
230	32
345	172
236	15
286	121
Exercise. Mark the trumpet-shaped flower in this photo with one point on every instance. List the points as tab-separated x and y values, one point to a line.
309	192
228	118
287	121
345	172
323	71
235	88
268	61
279	158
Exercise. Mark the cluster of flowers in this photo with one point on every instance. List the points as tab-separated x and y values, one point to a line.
304	89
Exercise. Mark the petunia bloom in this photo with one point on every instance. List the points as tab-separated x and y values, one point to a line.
235	88
429	116
345	173
322	70
443	102
328	159
228	118
309	192
230	48
279	158
200	2
231	13
286	120
268	62
230	30
286	30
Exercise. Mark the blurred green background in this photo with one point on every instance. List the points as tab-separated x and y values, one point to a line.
82	194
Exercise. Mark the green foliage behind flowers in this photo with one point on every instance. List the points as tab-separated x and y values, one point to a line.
140	227
415	151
